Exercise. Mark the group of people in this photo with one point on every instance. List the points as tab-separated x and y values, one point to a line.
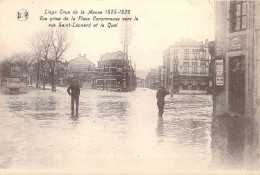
74	91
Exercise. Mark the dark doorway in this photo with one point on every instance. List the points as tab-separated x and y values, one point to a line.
237	85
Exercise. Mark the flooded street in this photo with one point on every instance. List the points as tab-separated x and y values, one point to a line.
114	132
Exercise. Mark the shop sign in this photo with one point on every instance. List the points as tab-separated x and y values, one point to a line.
219	72
237	43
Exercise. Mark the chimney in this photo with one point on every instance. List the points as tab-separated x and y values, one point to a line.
84	55
79	55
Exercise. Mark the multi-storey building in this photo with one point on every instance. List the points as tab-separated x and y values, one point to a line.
237	74
115	72
237	77
166	68
187	66
82	69
153	79
140	82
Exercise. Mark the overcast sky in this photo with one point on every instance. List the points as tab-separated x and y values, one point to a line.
160	24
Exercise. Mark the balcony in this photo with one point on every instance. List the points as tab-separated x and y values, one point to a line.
194	74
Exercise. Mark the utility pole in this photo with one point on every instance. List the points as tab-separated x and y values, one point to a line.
125	40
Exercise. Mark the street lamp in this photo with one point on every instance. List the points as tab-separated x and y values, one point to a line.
203	58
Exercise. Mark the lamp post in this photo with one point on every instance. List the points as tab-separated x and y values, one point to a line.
202	54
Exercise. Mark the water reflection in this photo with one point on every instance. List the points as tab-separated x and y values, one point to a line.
184	130
42	103
160	127
17	104
234	143
112	107
74	120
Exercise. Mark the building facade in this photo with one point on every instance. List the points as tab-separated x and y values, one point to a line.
166	68
186	66
62	73
237	60
154	78
82	69
237	70
140	82
115	72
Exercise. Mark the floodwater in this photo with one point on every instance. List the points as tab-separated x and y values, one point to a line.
119	132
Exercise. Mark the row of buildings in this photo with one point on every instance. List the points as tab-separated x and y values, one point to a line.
114	72
232	69
229	66
187	66
154	78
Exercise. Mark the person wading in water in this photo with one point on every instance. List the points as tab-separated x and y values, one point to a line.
161	93
74	91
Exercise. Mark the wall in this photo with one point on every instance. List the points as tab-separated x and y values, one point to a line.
248	46
256	72
220	96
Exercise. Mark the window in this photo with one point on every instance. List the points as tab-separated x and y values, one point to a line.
119	69
195	54
237	15
113	69
186	67
186	54
202	68
202	56
194	67
175	56
175	67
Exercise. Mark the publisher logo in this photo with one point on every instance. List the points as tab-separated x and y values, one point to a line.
22	15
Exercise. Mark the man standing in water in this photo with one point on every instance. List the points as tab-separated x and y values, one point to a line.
74	91
161	93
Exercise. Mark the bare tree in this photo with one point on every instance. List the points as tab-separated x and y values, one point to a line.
50	46
37	48
26	60
60	44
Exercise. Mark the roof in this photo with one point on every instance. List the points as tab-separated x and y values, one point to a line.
185	42
113	56
80	63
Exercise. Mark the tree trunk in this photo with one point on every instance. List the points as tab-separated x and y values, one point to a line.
38	74
43	84
44	79
53	78
27	81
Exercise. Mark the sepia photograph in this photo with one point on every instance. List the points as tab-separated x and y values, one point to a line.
129	87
